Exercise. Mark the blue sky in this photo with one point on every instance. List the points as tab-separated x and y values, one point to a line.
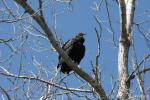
68	23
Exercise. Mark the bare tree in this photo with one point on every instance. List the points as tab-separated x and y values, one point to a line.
32	36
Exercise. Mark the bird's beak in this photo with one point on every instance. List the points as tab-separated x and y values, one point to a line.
83	33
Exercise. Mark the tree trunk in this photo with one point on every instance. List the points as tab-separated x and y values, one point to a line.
126	19
123	69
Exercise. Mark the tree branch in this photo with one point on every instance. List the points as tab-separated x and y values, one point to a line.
5	92
43	81
140	72
48	32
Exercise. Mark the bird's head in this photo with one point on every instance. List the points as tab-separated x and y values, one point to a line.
79	37
80	34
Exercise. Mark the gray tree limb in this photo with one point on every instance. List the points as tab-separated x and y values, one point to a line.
41	22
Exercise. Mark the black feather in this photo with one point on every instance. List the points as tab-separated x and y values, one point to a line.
75	50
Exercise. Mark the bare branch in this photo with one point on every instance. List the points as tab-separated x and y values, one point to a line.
5	92
139	78
110	24
43	81
131	76
48	32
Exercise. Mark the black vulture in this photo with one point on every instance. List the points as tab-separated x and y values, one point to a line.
75	50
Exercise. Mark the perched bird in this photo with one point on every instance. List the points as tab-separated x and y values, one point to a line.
75	50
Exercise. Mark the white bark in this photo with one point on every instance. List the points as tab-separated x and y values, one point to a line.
123	70
126	18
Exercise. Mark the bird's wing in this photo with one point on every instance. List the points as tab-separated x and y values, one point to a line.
83	51
68	44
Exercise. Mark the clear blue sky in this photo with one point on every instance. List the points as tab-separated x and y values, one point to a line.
68	24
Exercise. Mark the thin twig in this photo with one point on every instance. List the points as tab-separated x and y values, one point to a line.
43	81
